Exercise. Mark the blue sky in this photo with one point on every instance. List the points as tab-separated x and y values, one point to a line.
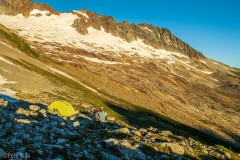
210	26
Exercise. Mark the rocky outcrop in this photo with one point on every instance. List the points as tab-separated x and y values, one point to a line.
160	38
14	7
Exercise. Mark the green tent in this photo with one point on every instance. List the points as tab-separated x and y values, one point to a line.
64	108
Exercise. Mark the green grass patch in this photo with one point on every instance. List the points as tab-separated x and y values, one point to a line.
19	43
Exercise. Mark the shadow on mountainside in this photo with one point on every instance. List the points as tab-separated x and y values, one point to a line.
145	118
31	135
33	130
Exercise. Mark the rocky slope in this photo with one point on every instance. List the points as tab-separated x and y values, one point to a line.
132	64
14	7
32	131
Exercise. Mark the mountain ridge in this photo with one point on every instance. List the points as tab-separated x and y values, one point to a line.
159	38
151	35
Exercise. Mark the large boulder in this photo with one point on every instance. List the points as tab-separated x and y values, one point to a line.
3	103
34	108
2	132
143	131
122	131
22	111
174	147
1	153
111	120
137	133
109	156
165	133
23	121
111	142
130	154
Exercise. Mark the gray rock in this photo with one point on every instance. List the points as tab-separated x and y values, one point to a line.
1	153
3	103
54	124
2	132
57	118
22	111
174	147
22	150
189	150
130	154
143	131
227	155
43	111
111	142
87	141
90	157
166	157
34	108
8	125
122	131
11	115
137	133
38	139
76	124
165	133
125	143
109	156
151	129
50	147
33	114
40	152
61	141
23	121
72	118
111	120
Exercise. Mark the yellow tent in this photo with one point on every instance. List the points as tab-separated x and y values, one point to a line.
64	108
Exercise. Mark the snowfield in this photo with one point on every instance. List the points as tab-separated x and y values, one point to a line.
6	61
6	91
58	29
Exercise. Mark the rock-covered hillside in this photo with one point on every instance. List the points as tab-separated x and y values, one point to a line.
32	131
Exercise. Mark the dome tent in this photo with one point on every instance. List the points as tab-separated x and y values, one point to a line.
64	108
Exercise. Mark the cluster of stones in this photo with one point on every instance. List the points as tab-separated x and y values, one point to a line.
36	132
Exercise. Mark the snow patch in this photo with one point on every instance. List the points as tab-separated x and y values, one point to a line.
203	62
147	29
186	63
6	45
4	70
61	60
34	12
60	72
170	62
96	60
82	13
6	61
102	29
180	55
6	91
214	79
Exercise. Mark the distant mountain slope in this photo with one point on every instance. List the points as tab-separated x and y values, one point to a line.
137	64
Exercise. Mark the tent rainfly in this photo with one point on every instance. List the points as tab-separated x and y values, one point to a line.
64	108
